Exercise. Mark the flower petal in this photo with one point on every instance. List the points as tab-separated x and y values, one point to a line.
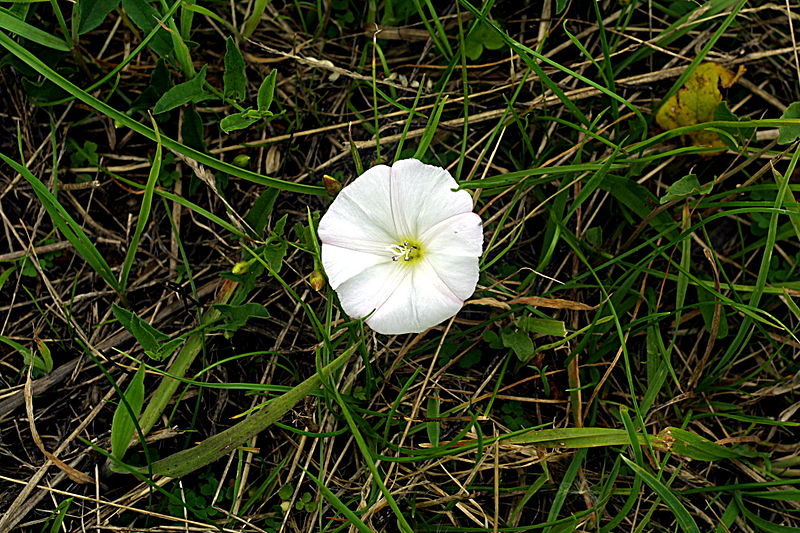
404	299
458	273
368	290
422	196
341	263
361	212
420	301
460	235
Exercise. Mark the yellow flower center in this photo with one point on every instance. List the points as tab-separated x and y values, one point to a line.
405	252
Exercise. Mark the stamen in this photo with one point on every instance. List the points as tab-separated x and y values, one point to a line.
406	250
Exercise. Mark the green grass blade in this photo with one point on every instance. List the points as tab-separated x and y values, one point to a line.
67	225
682	516
211	449
564	488
254	18
144	213
430	128
34	62
339	504
21	28
123	424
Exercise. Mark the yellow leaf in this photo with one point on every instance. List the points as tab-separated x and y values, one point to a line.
696	102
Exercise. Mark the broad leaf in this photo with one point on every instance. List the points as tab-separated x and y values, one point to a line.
146	18
788	134
542	326
266	92
520	342
236	316
696	103
234	78
685	187
155	344
236	121
91	13
183	93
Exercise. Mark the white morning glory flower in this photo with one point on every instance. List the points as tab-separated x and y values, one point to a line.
401	247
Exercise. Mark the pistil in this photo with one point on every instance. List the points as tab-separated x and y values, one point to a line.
405	251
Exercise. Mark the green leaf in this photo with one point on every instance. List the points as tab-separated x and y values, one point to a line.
544	326
788	134
739	135
275	249
236	121
236	316
193	130
146	18
266	92
159	83
253	20
685	187
46	358
123	425
148	337
234	78
682	516
430	127
27	355
434	428
8	21
695	447
91	13
61	513
192	346
639	200
519	342
183	93
194	8
7	273
144	213
62	220
760	523
259	214
482	37
221	444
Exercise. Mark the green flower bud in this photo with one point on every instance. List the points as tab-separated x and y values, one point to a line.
240	268
242	160
316	280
